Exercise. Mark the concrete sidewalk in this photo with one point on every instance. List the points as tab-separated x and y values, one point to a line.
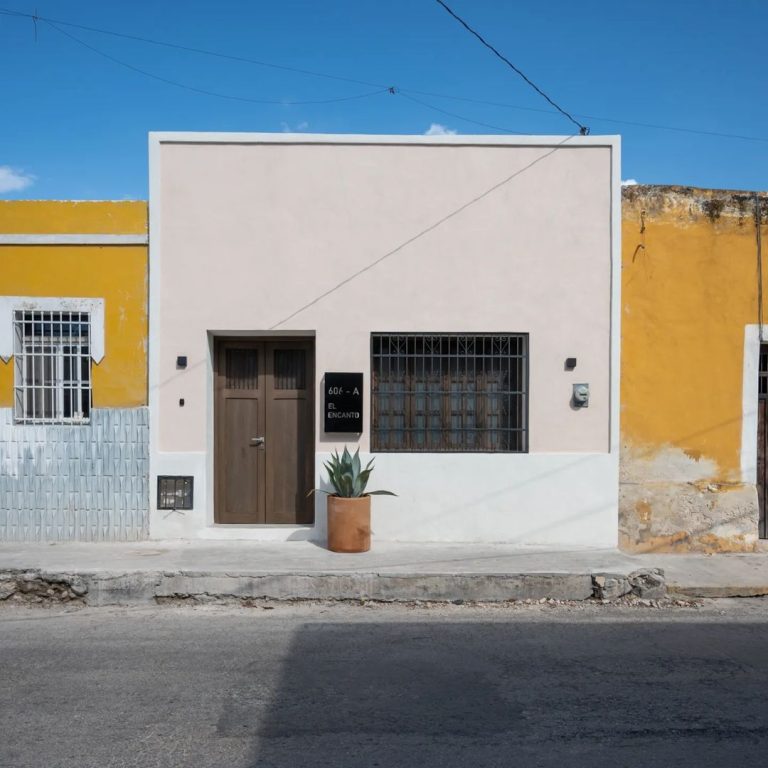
102	574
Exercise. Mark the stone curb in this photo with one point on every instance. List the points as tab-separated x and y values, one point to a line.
680	590
148	587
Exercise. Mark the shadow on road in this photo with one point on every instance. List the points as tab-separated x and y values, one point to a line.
522	693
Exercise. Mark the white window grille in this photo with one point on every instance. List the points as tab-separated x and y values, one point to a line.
52	352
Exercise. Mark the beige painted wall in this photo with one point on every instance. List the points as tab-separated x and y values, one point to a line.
255	237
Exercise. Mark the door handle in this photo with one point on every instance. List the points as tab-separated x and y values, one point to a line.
257	441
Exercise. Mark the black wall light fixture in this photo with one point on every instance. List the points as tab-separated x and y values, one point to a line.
181	361
570	363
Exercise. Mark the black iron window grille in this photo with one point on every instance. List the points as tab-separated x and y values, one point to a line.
52	355
449	392
763	373
175	491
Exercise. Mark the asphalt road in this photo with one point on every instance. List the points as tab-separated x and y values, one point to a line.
324	686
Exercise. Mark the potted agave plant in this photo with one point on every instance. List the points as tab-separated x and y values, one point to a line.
349	503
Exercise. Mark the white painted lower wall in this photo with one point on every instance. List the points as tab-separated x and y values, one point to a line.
552	499
559	499
181	524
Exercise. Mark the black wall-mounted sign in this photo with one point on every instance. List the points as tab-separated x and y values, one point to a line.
343	402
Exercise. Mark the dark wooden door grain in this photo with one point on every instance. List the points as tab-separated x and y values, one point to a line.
290	427
264	431
240	423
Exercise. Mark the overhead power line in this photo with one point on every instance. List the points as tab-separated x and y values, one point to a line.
633	123
402	91
189	49
203	90
454	114
583	130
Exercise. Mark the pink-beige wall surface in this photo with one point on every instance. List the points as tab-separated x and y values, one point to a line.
340	238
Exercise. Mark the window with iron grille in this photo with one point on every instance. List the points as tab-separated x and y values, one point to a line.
52	355
449	392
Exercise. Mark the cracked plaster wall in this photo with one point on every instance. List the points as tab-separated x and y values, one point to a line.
689	289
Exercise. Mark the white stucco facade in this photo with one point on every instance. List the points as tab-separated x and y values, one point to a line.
337	237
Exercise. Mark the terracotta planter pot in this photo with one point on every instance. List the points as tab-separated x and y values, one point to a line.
349	524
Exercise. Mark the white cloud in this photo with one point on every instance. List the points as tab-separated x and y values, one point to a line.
629	183
439	130
13	180
287	128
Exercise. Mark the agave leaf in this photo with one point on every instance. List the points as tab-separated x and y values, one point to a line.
348	486
347	476
334	473
363	479
319	490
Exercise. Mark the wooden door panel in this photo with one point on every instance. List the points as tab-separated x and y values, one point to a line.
290	431
239	416
264	389
242	484
289	369
290	423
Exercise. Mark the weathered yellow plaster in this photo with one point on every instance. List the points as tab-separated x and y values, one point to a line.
689	286
98	217
118	274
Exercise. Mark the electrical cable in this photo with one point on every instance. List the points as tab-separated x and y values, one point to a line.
457	116
423	233
583	130
635	124
203	90
189	49
399	90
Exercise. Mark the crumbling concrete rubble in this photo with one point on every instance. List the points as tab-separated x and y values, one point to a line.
39	587
645	583
36	586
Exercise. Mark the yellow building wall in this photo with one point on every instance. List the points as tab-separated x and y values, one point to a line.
118	274
689	288
73	217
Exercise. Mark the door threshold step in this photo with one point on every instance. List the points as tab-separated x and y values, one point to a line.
246	532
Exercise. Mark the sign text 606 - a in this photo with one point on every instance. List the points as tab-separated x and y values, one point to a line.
343	402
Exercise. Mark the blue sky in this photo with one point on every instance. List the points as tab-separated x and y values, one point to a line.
74	124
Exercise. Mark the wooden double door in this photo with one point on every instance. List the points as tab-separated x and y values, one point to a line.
264	431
